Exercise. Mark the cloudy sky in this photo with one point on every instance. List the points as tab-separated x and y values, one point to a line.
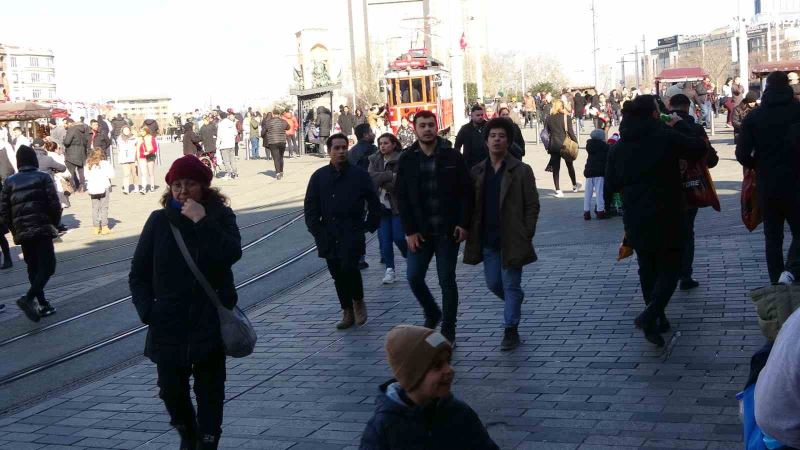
232	52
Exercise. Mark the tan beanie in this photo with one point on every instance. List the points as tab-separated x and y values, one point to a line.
411	351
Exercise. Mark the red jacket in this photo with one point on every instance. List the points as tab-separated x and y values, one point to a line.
292	121
143	149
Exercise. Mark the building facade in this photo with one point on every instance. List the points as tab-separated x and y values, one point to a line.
27	73
139	109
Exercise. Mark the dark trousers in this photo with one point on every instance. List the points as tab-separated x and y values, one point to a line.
77	175
776	212
40	258
446	251
4	244
209	389
658	275
277	151
688	252
347	279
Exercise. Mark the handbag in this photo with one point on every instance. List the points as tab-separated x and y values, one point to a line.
66	186
544	137
698	186
570	149
751	211
238	336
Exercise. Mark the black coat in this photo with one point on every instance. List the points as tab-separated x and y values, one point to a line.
6	169
347	122
644	166
99	139
75	144
29	205
596	161
359	154
470	142
517	148
334	211
765	131
117	124
208	135
558	134
454	189
184	325
191	142
580	104
444	424
697	130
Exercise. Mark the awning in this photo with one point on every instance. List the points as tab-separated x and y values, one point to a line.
682	74
778	66
23	111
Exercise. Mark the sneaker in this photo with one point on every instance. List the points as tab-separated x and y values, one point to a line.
577	187
389	278
142	190
558	194
786	278
510	339
587	215
279	176
27	307
688	284
46	309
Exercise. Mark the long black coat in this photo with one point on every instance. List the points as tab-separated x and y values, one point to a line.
334	211
75	144
558	134
6	169
645	166
184	325
453	183
764	131
470	142
29	205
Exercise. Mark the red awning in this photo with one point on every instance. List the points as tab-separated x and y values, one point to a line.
23	111
778	66
682	73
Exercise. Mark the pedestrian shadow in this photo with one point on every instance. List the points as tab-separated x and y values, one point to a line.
269	173
112	223
70	221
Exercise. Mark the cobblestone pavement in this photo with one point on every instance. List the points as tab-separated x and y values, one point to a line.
583	379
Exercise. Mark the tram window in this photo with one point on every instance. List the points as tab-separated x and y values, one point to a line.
416	90
390	91
405	91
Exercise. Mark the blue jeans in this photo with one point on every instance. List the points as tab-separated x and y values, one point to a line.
254	147
391	231
446	251
505	284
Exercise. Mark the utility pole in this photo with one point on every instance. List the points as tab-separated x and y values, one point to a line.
644	52
636	53
426	13
769	41
366	36
777	41
352	51
594	43
456	62
744	69
622	68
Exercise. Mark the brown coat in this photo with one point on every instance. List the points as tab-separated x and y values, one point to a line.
519	210
383	174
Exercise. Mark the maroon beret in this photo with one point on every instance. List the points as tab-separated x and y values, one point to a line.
190	167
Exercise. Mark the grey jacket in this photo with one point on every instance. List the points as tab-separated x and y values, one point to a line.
383	174
48	164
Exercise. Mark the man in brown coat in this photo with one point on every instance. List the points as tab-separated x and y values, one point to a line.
503	223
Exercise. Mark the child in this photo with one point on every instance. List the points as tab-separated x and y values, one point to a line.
597	148
99	173
418	410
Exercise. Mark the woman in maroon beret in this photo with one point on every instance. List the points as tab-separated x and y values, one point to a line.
184	338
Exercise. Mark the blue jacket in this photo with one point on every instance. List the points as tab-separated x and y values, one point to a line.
447	424
359	154
334	211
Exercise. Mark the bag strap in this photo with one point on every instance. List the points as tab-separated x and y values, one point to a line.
193	267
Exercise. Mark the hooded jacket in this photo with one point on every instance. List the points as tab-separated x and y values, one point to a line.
443	424
768	141
644	165
29	204
184	325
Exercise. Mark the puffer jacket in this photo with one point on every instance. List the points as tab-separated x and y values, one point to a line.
184	325
444	424
275	131
29	205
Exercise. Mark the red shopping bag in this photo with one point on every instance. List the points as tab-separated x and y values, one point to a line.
751	212
698	185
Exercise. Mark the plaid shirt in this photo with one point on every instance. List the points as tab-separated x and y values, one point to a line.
434	224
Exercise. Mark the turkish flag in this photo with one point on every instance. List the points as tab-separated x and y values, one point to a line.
463	41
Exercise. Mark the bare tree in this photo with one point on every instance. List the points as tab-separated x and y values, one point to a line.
367	78
714	59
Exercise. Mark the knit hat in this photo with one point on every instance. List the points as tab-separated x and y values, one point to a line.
190	167
411	350
598	134
26	157
613	139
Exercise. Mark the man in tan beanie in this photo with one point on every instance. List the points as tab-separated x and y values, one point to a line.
417	409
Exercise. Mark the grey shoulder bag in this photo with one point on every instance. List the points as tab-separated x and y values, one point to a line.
238	336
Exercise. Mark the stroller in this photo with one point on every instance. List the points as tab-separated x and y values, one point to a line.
210	161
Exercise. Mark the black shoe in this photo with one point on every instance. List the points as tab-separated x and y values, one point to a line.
663	324
7	264
646	321
510	339
688	284
207	442
433	322
188	437
363	265
27	307
46	309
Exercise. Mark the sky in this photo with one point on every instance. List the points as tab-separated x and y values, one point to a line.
232	53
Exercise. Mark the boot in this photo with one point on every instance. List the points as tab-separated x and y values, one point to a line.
188	436
360	310
207	442
105	230
96	230
6	262
347	319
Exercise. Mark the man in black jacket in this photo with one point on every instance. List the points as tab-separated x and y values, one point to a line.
29	206
208	135
645	166
768	143
334	211
99	139
75	152
680	105
470	137
434	196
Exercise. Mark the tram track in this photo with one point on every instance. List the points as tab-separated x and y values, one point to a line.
118	301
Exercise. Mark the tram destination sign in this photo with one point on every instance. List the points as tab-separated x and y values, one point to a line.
672	40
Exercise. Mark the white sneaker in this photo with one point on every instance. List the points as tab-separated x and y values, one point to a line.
558	194
786	278
577	187
389	277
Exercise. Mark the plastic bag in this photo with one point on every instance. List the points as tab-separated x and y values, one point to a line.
698	186
751	212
